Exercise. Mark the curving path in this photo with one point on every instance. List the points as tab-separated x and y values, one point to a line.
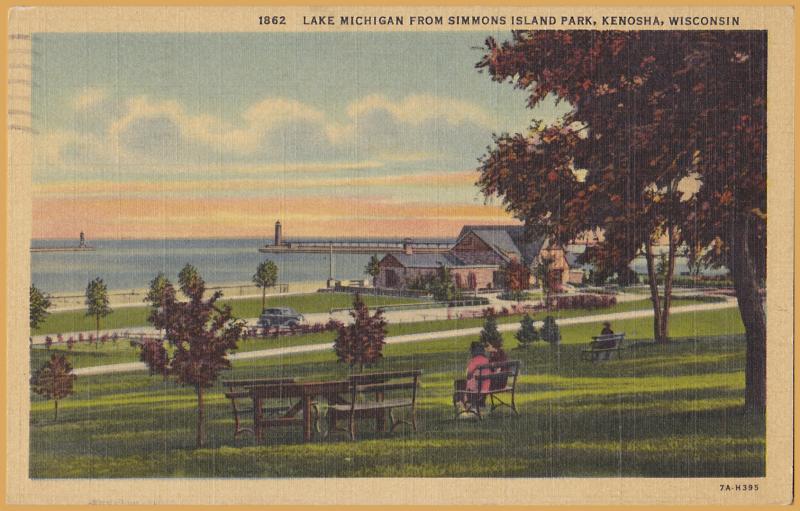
420	337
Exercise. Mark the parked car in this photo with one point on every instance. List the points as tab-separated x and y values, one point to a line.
280	316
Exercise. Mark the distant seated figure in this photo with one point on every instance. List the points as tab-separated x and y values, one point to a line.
497	354
606	344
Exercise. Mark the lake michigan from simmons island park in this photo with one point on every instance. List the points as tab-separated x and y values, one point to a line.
125	265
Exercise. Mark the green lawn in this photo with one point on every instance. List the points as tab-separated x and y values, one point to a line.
86	355
124	317
660	411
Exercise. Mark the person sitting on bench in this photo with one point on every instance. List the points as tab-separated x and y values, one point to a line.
478	359
607	344
496	354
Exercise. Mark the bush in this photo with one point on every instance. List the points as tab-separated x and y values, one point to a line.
527	332
585	301
550	332
490	334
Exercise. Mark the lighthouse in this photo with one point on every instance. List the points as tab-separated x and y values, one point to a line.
278	234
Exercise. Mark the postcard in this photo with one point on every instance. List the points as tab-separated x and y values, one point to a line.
400	255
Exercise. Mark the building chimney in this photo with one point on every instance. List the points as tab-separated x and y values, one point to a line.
407	249
278	234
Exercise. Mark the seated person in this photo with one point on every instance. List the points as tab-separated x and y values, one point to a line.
606	344
478	359
496	354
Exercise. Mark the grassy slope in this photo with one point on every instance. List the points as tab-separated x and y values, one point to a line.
660	411
85	355
124	317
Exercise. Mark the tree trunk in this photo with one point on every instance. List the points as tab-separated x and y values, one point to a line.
201	434
652	279
670	271
755	322
55	417
263	297
96	331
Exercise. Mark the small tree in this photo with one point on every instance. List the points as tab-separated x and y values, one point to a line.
266	276
54	380
543	276
200	335
361	342
442	286
527	333
97	302
373	268
39	305
550	332
517	277
490	334
155	293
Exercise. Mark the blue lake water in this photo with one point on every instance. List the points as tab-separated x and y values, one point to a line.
131	264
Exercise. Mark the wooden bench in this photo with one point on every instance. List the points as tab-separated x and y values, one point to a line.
502	378
239	394
601	347
304	409
368	398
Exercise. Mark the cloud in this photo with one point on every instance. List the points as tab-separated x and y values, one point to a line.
90	98
417	109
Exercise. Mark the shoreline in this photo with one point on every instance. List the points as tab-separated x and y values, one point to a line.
120	298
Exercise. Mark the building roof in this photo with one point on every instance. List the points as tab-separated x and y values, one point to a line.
509	241
446	259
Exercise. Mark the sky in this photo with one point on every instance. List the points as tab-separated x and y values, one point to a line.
220	135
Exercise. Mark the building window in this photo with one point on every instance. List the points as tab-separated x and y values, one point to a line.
472	281
459	282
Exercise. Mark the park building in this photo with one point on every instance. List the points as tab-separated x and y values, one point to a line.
477	259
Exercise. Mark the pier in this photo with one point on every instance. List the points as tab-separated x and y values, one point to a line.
279	245
357	247
82	247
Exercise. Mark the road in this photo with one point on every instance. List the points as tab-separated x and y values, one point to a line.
392	316
420	337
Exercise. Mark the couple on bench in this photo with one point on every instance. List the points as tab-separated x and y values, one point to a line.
488	374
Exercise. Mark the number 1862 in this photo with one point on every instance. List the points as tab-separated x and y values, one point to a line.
272	20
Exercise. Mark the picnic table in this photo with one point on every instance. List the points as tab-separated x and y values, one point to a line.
305	393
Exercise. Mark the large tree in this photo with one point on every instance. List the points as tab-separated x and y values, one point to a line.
97	303
199	334
266	275
664	141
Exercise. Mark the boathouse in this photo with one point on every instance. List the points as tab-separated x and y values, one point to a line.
477	258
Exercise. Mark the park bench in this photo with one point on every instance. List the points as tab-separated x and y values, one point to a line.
601	347
368	398
503	380
304	409
239	394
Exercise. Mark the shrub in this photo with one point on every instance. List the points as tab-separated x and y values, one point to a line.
527	332
48	341
550	332
490	334
585	301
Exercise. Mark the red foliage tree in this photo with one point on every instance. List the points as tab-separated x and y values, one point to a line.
517	277
361	342
665	140
54	380
199	333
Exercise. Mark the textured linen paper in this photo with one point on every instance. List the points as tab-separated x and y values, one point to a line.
384	197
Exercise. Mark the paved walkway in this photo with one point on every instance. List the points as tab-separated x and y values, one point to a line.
420	337
392	316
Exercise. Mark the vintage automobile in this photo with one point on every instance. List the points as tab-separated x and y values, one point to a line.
280	316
